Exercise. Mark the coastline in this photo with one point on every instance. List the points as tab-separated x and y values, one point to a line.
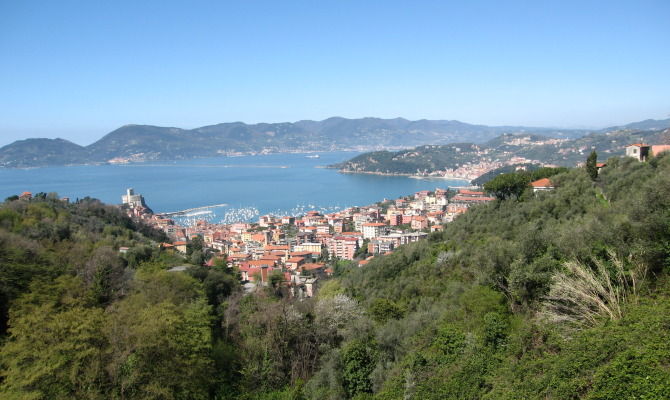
415	176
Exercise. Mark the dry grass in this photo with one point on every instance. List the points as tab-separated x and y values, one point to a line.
581	295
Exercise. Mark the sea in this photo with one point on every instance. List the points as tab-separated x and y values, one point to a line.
240	188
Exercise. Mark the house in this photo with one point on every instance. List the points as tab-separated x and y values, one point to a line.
372	230
26	196
419	223
256	274
380	246
394	218
294	263
638	151
471	193
313	248
180	246
343	247
659	148
542	185
314	269
307	255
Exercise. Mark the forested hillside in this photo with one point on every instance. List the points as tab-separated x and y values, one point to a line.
508	149
562	294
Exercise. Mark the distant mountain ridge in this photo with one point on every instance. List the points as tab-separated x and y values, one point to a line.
145	142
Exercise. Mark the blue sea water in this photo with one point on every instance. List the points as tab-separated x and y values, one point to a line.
279	184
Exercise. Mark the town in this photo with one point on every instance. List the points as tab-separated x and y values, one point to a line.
295	252
299	250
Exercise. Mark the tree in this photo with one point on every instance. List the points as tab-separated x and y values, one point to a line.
506	186
358	360
160	343
55	350
363	250
105	274
592	165
383	310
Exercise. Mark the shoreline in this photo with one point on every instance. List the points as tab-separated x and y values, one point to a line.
173	160
415	176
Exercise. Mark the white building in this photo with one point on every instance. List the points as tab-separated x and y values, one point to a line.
132	199
372	230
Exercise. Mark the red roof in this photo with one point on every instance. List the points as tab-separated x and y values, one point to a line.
470	199
260	263
348	239
374	224
470	192
659	148
544	182
276	247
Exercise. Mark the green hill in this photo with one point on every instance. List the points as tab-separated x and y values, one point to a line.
563	294
519	148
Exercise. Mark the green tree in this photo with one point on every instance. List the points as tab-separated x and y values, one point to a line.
359	358
383	310
160	343
506	186
55	349
363	250
592	165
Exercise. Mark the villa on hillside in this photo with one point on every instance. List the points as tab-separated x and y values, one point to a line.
641	151
542	185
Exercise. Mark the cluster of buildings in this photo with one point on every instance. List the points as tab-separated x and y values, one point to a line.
299	250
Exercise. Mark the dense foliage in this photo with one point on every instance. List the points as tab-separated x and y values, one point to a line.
563	294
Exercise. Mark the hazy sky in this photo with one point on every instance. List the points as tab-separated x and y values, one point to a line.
79	69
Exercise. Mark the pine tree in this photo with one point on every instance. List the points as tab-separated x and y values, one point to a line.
592	165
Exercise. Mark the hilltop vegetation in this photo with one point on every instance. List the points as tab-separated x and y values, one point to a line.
560	295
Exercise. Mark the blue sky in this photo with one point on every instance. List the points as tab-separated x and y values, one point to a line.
79	69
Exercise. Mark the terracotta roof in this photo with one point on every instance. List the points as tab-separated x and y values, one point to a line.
470	199
374	224
659	148
348	239
311	266
544	182
470	192
258	263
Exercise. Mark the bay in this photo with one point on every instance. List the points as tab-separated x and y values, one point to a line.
279	184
